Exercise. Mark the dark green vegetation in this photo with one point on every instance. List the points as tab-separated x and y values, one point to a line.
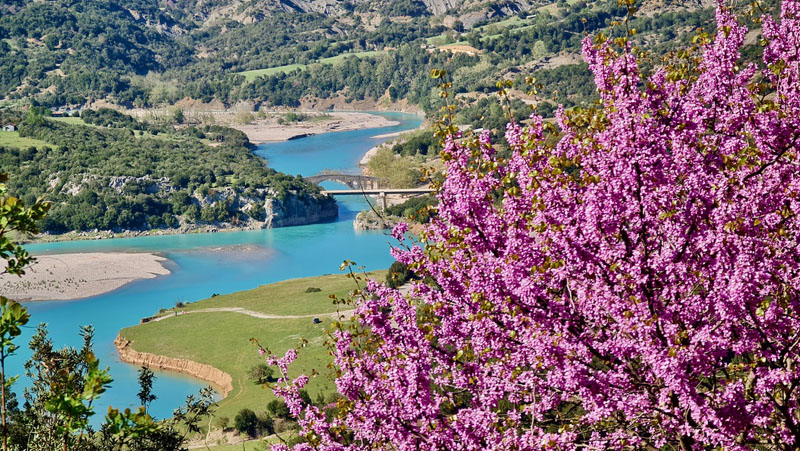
417	209
58	404
124	174
141	53
399	273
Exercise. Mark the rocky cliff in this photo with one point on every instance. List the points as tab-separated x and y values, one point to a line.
218	379
299	210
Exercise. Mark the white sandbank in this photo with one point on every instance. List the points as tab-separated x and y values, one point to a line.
269	130
76	276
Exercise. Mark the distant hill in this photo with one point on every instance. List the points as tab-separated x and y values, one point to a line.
299	52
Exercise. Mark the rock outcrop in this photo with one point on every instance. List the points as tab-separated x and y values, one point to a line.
220	380
299	210
368	220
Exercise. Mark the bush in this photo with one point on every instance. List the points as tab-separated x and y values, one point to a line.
261	373
398	275
313	290
278	409
415	209
246	422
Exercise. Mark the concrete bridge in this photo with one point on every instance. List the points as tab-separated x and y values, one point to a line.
381	193
357	182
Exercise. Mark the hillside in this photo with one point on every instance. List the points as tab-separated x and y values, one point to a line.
287	53
108	171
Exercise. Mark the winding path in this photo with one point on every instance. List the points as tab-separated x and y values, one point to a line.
255	314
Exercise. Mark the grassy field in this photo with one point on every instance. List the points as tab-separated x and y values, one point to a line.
69	120
12	139
251	75
337	58
222	339
252	445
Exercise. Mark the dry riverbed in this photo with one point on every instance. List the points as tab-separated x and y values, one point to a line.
76	276
268	129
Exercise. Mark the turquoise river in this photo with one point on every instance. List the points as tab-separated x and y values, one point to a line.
203	264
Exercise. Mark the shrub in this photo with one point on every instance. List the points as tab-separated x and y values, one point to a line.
246	422
261	373
278	409
398	275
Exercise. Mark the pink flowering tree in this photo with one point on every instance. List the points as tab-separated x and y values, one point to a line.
634	286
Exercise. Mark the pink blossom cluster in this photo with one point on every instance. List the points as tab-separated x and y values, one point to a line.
633	287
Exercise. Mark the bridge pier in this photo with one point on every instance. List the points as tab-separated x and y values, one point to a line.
382	200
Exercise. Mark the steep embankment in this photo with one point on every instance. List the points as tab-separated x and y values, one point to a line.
221	381
294	210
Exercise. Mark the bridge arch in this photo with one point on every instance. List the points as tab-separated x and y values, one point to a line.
355	182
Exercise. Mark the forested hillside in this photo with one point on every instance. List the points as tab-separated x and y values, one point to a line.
137	53
115	173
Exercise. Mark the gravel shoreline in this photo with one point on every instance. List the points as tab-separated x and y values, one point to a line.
80	275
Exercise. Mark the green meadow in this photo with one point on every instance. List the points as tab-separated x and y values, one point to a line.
222	338
12	139
251	75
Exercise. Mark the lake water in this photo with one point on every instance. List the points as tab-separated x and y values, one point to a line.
201	266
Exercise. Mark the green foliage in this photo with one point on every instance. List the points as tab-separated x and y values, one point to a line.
15	217
398	274
247	422
418	143
71	407
145	394
278	409
110	178
413	8
313	290
488	113
64	383
12	317
397	171
401	72
129	428
261	373
107	117
59	54
418	209
295	117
